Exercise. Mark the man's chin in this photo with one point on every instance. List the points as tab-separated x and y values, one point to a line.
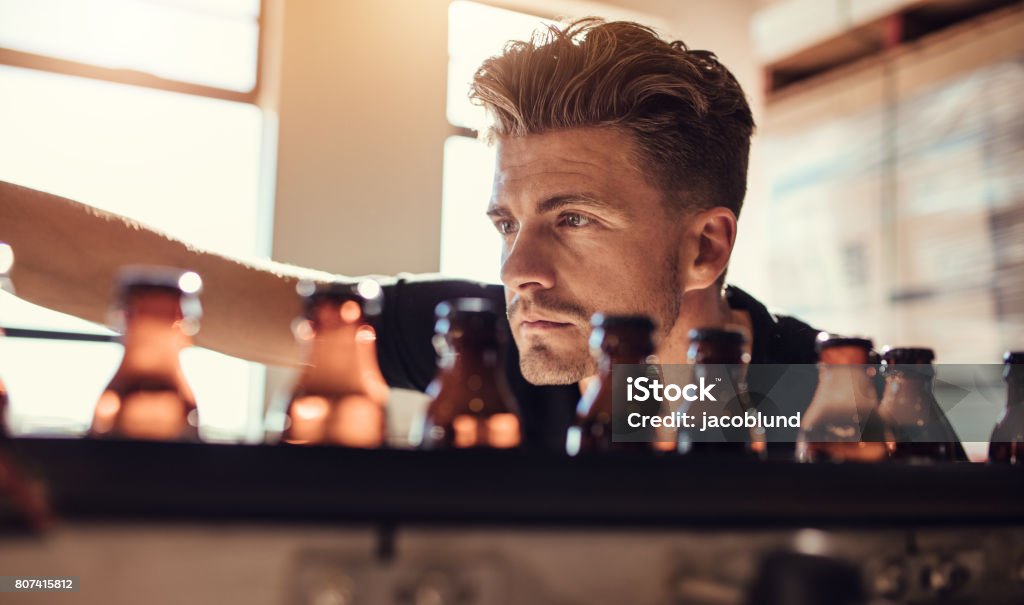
542	366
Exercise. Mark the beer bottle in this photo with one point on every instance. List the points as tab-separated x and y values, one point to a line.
157	312
1007	443
876	371
718	358
919	429
842	422
6	262
21	495
340	397
614	340
471	405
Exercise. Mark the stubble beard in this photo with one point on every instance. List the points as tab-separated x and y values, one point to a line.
541	365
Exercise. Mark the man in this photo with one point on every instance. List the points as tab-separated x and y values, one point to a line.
621	171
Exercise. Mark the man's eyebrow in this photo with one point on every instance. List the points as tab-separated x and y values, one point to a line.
556	202
495	211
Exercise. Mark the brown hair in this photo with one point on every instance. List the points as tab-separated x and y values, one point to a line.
686	111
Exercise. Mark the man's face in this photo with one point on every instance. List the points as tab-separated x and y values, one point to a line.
583	232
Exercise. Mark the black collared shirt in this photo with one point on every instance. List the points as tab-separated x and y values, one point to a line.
408	360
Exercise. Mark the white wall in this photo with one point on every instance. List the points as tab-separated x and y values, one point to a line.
361	129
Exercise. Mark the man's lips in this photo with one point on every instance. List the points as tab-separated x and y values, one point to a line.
536	323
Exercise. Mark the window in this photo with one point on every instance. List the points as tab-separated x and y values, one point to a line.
209	42
470	247
185	160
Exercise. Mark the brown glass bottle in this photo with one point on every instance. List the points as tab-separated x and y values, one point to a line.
842	421
6	263
21	495
920	430
472	405
339	398
1007	443
4	399
718	358
148	397
615	340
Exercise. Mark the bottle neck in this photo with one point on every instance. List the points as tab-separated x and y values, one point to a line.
907	396
366	346
333	362
723	360
465	359
716	353
841	370
610	359
841	385
919	374
600	393
152	346
1015	386
730	376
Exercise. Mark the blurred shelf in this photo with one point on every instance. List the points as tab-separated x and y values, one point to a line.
800	40
122	480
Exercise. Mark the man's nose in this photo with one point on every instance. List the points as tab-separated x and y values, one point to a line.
528	265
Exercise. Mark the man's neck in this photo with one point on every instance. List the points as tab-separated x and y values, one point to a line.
703	309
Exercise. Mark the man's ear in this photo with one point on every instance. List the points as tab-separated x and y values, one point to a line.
711	235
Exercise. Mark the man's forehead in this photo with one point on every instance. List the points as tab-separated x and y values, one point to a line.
576	150
596	160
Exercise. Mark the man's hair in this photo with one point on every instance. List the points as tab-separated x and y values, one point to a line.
686	111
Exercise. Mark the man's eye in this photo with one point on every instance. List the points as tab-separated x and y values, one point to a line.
505	226
574	220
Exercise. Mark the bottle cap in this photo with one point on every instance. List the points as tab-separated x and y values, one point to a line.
466	320
639	323
634	331
718	335
159	277
464	306
476	314
182	283
366	292
907	355
826	340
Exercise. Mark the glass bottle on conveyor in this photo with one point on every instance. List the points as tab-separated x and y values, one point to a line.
920	430
1007	443
340	398
157	312
6	263
21	495
472	405
718	358
615	340
842	422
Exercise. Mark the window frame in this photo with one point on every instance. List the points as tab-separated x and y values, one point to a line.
132	77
